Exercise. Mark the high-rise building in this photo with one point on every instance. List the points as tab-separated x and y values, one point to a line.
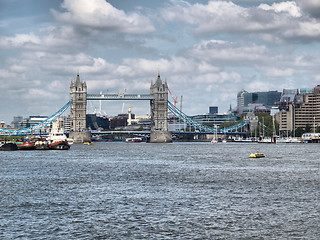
268	99
300	114
240	100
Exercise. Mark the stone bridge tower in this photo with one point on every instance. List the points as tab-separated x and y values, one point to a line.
78	110
159	112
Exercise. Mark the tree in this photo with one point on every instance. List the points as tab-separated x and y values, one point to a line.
299	131
307	128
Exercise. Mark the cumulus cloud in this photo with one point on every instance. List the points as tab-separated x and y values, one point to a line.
311	7
288	7
284	19
232	52
19	41
100	14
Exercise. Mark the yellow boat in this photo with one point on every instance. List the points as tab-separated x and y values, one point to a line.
88	143
256	155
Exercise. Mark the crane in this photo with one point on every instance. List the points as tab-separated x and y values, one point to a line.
175	100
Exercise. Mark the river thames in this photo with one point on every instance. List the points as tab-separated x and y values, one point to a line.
161	191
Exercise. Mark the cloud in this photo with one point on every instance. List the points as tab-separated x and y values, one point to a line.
238	53
286	7
311	7
48	39
284	19
99	14
19	41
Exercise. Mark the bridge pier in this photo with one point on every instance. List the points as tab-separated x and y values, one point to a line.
160	136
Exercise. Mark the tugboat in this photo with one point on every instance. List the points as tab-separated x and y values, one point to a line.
59	145
42	144
57	140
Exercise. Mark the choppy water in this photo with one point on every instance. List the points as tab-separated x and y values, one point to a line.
161	191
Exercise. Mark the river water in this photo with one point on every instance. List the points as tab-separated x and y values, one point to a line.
161	191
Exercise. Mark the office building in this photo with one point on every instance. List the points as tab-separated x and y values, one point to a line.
301	113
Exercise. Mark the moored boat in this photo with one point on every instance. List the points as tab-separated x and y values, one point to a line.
26	146
8	146
59	145
42	145
134	139
57	140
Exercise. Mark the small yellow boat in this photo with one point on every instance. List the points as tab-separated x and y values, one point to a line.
256	155
88	143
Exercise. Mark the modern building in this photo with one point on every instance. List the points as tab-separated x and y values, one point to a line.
16	123
289	96
213	110
240	100
215	119
300	114
31	121
268	99
95	122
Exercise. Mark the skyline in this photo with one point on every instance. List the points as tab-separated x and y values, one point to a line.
207	51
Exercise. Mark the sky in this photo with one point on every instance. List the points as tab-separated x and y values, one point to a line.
207	51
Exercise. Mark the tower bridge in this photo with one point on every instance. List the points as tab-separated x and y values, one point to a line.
159	106
158	98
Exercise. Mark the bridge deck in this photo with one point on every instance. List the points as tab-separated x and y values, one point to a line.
120	96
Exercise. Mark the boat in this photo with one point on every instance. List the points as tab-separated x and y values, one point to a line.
59	145
57	140
8	146
214	141
42	144
134	139
26	146
256	155
88	143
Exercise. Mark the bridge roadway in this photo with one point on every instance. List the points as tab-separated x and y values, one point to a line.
120	96
147	132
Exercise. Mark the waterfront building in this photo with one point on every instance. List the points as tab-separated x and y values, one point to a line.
301	113
215	119
95	122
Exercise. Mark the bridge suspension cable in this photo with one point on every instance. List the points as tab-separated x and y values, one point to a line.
40	124
199	126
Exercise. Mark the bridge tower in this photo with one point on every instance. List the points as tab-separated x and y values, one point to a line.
159	112
78	110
